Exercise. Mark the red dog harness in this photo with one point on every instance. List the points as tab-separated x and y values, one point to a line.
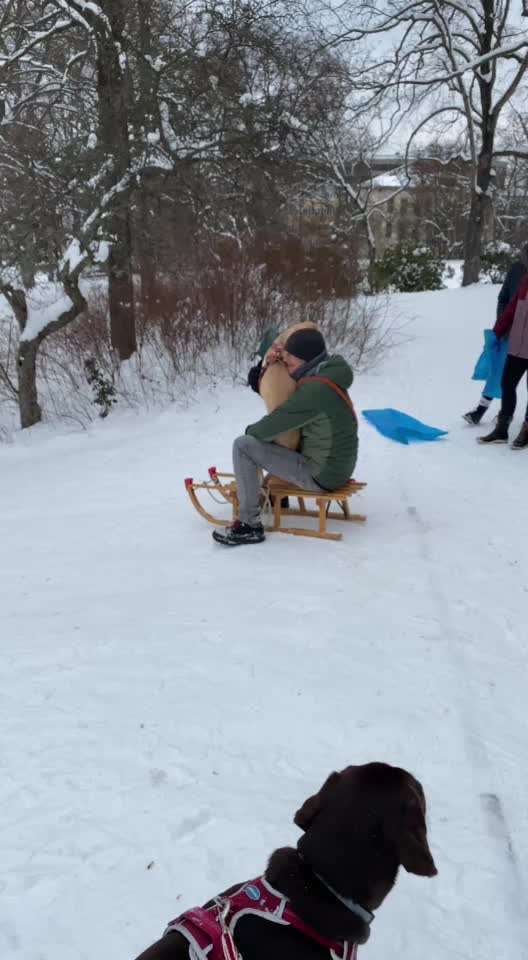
210	930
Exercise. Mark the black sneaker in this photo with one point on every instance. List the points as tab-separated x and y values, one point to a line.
521	442
499	434
239	533
475	416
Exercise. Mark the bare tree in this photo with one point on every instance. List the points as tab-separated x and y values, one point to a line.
102	27
206	104
33	71
347	172
56	199
47	319
464	62
512	199
441	185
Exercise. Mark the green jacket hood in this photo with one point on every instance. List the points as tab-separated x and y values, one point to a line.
336	369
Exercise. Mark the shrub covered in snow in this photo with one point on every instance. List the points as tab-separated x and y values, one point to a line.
193	329
408	268
495	261
103	389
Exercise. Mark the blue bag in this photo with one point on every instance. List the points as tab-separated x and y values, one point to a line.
401	427
490	364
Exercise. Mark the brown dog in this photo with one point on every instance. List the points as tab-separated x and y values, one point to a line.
362	825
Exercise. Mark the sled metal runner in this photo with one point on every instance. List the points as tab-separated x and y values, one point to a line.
221	488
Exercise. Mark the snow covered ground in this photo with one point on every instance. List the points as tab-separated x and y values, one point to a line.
167	705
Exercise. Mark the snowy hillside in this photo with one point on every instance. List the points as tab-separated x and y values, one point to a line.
166	705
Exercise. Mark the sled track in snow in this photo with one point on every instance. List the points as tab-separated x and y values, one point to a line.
490	801
492	806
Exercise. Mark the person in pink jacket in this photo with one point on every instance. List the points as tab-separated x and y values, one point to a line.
512	281
513	322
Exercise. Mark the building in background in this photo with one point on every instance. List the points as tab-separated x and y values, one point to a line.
426	203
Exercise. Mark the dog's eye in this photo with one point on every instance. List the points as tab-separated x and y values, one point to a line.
413	801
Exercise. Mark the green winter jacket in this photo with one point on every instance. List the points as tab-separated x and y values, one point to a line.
329	436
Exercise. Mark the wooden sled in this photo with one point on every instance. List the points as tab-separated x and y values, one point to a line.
221	487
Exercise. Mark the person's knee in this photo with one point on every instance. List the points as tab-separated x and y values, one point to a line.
243	444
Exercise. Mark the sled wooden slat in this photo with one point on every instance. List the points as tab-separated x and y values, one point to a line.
275	484
302	532
279	489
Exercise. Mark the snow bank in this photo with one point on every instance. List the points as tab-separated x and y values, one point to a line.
452	278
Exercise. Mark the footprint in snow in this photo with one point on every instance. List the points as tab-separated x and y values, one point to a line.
158	777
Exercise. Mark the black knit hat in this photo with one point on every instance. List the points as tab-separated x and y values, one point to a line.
305	344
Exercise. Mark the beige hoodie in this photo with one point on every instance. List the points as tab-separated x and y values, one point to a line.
276	385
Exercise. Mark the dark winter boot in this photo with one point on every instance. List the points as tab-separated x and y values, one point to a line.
285	503
499	434
239	533
475	416
521	442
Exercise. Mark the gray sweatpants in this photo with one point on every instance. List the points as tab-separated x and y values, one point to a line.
249	454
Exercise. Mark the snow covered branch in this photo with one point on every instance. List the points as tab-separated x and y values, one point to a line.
516	154
85	14
36	40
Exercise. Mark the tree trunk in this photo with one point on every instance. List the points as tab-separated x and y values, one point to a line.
479	213
370	240
29	407
147	120
113	101
481	207
371	273
121	289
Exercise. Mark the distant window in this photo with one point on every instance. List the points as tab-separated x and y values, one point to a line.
388	229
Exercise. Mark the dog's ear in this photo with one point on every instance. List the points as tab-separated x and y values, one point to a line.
313	806
411	842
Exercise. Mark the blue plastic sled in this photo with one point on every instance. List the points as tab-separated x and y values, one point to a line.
400	427
490	364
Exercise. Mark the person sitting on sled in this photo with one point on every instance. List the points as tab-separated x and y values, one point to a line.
321	410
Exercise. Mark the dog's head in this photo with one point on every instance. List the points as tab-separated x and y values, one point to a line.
374	811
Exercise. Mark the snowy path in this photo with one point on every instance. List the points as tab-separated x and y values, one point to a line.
166	705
